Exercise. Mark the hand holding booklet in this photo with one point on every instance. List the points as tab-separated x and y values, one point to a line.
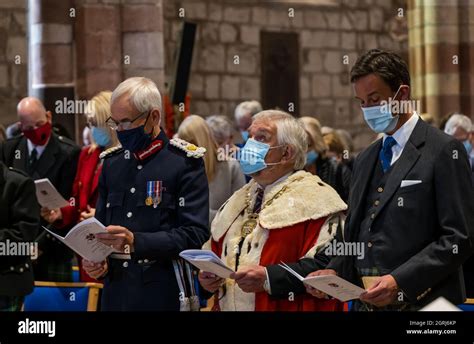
332	285
207	261
82	240
48	196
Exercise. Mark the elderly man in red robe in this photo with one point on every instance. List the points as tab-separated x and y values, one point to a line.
283	214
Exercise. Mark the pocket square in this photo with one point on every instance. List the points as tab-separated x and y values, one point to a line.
409	183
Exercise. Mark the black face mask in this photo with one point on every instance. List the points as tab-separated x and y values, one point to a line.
135	139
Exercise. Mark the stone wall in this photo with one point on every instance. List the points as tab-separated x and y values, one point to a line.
13	57
329	35
117	39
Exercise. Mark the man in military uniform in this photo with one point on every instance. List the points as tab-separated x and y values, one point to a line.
42	154
19	221
153	198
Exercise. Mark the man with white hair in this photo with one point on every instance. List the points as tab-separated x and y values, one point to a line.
243	116
460	127
153	198
282	214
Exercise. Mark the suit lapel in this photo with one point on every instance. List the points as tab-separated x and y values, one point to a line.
48	159
404	164
20	161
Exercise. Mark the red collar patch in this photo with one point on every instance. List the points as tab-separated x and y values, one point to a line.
153	148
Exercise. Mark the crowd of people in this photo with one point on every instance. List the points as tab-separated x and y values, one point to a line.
264	188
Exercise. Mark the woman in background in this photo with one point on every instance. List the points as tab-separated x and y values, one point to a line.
85	187
331	171
224	175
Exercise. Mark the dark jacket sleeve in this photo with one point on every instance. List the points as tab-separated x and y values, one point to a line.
282	282
24	211
455	212
192	215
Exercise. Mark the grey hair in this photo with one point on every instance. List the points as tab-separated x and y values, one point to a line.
290	132
220	127
142	92
251	108
458	121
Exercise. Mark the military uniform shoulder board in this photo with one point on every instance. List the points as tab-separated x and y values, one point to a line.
110	151
190	149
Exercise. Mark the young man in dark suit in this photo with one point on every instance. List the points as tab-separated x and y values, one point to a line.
42	154
410	205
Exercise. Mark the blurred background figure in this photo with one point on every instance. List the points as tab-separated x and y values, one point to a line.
329	169
3	134
243	118
428	118
86	136
348	154
13	130
224	176
222	132
326	130
85	187
460	127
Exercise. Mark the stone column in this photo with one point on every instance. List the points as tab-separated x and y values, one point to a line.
51	76
98	46
441	36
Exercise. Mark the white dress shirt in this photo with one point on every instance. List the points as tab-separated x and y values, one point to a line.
401	136
39	149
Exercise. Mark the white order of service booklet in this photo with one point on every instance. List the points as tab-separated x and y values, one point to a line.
207	261
48	196
82	240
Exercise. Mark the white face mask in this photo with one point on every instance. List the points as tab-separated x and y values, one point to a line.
379	118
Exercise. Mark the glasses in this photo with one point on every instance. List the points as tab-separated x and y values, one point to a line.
125	125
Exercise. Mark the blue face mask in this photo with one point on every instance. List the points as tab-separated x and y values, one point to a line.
467	144
379	118
252	156
101	136
311	157
245	135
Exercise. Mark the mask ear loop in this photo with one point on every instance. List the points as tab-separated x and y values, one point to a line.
274	163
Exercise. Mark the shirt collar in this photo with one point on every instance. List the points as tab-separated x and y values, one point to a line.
269	187
39	149
403	133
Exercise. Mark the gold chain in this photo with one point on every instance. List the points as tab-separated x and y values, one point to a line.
251	221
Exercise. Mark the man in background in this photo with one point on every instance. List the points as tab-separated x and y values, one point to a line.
42	154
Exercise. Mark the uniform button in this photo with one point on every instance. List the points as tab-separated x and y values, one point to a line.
146	260
48	235
380	189
129	214
372	216
21	269
125	264
140	261
12	268
107	205
377	202
132	190
369	244
139	167
27	266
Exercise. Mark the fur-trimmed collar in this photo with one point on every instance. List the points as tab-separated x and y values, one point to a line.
307	198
